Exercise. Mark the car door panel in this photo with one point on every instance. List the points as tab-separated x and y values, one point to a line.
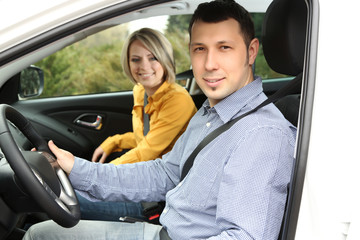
55	118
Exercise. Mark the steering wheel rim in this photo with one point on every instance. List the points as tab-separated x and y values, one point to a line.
62	206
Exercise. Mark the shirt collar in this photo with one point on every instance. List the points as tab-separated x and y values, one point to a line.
236	102
163	89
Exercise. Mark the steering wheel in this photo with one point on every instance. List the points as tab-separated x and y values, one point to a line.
38	172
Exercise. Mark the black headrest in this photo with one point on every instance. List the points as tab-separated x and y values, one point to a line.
283	36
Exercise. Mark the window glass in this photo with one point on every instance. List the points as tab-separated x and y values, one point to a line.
93	65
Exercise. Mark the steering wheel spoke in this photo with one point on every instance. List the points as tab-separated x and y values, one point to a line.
67	194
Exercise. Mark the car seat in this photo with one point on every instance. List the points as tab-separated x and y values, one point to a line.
284	39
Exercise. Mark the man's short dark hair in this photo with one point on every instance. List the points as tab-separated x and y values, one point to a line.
221	10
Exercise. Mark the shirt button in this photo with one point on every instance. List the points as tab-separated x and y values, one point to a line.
165	210
208	124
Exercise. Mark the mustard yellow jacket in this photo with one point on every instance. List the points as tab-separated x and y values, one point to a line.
170	110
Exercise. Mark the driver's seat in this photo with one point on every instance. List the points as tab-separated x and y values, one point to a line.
283	39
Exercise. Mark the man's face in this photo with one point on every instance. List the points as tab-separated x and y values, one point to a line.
219	58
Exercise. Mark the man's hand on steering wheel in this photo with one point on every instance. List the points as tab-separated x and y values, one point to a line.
64	158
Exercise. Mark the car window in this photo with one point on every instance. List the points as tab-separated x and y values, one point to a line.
92	65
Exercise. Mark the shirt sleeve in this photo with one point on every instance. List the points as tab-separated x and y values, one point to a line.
173	117
257	179
109	182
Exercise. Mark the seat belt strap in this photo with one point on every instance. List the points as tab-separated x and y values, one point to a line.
146	116
290	88
151	210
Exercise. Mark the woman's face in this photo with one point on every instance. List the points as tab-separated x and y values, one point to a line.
145	68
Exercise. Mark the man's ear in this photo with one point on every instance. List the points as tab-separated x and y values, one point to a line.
253	50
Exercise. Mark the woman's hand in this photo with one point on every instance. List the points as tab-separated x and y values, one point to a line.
99	153
65	159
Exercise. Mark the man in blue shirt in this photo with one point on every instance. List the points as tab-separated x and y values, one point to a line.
237	186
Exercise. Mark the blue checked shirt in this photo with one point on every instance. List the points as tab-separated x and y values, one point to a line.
237	186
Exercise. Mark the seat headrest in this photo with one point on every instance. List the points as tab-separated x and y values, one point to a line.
284	34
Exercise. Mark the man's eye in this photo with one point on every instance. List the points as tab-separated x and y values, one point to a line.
225	47
199	49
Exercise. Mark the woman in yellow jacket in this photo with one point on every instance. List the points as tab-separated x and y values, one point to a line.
147	59
169	110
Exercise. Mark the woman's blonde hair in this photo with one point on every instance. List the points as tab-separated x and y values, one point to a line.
158	45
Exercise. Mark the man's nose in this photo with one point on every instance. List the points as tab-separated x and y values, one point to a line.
211	62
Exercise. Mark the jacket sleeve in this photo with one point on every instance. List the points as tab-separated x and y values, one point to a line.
119	142
173	116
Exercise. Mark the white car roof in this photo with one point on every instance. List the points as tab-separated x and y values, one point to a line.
18	24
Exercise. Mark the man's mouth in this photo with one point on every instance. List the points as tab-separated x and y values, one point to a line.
213	82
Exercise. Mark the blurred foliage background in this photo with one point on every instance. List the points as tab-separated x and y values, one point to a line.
93	65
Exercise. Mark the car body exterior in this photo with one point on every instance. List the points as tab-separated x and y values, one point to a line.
325	194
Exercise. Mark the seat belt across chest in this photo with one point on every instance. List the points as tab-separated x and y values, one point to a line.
290	88
146	116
